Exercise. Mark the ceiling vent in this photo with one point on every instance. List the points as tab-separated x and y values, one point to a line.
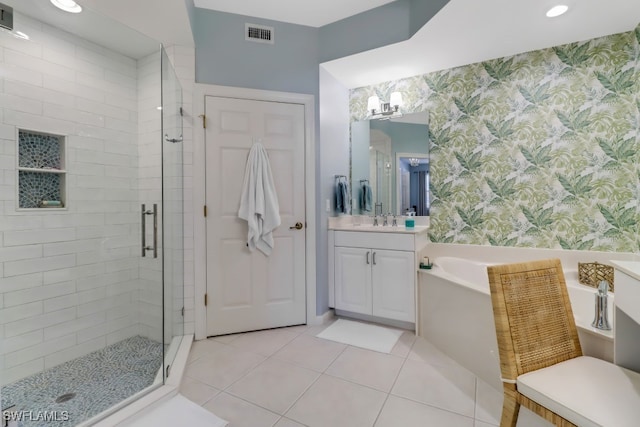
258	33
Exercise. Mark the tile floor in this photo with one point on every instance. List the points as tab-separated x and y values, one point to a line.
97	381
289	378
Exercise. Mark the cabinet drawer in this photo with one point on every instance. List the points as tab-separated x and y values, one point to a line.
363	239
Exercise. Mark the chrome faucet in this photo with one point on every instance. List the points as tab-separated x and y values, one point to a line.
386	220
601	320
375	220
395	222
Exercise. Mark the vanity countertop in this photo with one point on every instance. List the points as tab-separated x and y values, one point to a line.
401	229
632	268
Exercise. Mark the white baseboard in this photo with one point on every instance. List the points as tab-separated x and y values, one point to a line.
324	318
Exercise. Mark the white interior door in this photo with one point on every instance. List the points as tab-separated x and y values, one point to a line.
247	290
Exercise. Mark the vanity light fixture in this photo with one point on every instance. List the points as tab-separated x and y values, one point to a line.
67	5
557	10
414	162
385	110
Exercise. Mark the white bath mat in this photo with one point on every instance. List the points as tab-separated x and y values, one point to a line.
177	411
362	335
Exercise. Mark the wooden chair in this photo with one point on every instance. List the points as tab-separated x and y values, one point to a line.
541	360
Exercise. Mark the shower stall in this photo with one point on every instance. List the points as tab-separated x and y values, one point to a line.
91	220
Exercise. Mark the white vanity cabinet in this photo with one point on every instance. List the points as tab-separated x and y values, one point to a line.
626	341
374	273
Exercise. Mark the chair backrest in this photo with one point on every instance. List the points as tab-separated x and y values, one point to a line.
535	326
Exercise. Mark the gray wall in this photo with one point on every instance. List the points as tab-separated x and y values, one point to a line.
390	23
377	27
422	11
334	160
224	57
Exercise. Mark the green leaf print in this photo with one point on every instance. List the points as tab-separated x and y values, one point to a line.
502	131
538	96
470	162
576	244
438	82
540	220
619	219
621	150
573	54
576	121
473	218
439	139
502	241
621	83
470	107
441	192
538	158
578	186
503	191
499	69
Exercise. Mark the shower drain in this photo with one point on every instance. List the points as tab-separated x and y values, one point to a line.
65	397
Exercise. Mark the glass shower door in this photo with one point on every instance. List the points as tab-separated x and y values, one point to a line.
173	209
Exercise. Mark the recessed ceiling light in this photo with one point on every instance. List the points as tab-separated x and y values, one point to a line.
67	5
557	10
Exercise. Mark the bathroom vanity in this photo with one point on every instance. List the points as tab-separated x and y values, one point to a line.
627	315
373	272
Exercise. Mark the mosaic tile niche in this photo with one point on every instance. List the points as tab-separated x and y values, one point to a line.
42	187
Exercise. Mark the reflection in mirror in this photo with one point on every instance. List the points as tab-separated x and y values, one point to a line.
390	166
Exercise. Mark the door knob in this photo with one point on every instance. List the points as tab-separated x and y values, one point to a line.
298	226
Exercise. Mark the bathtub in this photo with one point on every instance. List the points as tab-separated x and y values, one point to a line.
455	315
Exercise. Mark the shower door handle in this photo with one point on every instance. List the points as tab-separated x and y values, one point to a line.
144	214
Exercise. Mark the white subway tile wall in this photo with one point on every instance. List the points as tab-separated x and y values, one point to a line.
73	281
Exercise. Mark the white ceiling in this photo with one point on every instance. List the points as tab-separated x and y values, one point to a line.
463	32
167	21
470	31
89	25
302	12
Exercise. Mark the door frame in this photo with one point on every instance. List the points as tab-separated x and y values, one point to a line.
201	91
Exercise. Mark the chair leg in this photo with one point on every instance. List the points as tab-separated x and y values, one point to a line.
510	410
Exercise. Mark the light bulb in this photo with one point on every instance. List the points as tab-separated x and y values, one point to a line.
557	10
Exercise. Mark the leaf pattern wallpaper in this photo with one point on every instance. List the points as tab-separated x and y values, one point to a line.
536	150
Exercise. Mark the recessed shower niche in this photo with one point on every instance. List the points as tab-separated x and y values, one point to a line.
41	170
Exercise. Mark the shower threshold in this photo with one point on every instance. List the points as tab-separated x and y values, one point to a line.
75	391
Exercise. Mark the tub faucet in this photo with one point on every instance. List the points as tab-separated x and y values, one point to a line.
395	222
386	220
375	220
601	320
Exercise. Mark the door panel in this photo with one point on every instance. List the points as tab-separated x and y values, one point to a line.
248	290
353	279
280	282
393	285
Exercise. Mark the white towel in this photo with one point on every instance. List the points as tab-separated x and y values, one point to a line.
259	202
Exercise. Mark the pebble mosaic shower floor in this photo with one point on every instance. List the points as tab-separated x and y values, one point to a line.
99	380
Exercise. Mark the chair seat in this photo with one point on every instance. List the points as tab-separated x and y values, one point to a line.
588	392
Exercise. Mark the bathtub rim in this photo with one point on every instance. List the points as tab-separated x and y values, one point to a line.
443	274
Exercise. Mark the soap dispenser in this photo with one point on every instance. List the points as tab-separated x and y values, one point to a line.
601	320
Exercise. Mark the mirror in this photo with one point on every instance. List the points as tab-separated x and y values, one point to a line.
390	166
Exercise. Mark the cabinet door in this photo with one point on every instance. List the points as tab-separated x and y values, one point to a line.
353	279
393	276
